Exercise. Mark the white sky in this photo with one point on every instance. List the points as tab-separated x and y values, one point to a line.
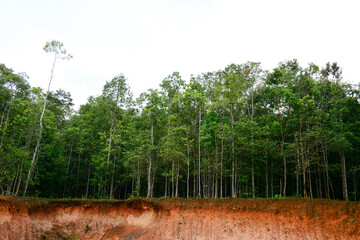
147	40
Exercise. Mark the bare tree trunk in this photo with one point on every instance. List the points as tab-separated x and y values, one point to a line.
304	165
111	195
150	162
272	179
112	116
221	168
19	180
34	159
88	180
297	170
111	136
126	184
194	187
343	174
327	188
172	178
149	178
267	177
310	185
153	181
216	169
319	174
252	145
28	142
188	170
133	183
14	182
177	179
355	185
233	190
166	187
153	178
199	150
303	172
77	175
138	178
252	175
67	170
283	153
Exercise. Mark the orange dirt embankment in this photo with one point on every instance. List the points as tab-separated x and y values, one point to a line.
179	219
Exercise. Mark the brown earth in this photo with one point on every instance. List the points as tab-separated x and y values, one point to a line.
179	219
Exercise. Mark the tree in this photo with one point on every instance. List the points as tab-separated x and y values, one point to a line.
56	48
282	100
238	132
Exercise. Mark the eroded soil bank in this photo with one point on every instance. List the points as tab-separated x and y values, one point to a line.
179	219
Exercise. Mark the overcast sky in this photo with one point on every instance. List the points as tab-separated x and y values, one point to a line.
147	40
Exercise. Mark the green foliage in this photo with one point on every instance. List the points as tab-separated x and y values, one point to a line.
56	47
233	125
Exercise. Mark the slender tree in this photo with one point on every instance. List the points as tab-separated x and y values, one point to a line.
56	48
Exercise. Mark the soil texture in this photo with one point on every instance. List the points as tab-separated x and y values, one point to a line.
22	218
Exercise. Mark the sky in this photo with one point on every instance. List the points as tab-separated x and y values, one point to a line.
147	40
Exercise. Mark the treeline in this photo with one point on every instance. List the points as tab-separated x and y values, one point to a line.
237	132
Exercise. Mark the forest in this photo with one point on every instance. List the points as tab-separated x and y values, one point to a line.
240	132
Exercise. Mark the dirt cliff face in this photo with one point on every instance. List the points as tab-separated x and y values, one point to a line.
178	219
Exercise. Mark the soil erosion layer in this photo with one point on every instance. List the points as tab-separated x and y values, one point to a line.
179	219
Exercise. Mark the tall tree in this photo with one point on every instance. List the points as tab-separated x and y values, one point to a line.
56	48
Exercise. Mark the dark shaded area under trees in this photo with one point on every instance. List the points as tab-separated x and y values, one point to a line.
237	132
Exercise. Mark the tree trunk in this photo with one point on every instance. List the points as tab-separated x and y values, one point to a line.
35	157
221	168
283	152
67	170
28	142
252	175
310	185
272	178
303	162
112	177
297	170
153	181
233	191
77	175
194	187
267	177
172	178
252	145
343	174
166	183
355	185
319	175
216	169
327	184
88	180
138	179
199	151
188	170
177	179
150	162
126	184
111	136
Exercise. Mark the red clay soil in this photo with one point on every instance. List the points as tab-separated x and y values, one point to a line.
179	219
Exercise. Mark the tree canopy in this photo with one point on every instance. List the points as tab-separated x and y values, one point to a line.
240	131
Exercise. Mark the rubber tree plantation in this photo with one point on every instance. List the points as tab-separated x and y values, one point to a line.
240	132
